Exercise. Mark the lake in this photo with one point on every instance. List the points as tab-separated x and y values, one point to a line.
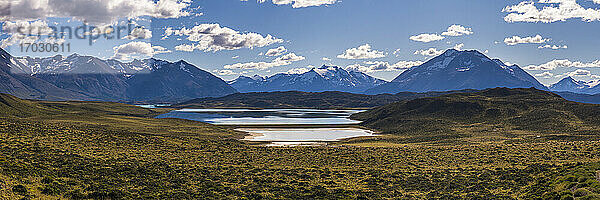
265	116
280	136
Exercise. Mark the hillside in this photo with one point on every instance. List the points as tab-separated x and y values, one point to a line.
295	99
117	151
492	114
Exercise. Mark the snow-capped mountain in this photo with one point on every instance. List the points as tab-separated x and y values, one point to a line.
569	84
458	70
77	64
89	78
325	78
16	79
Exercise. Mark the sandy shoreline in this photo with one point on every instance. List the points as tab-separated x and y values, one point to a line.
255	133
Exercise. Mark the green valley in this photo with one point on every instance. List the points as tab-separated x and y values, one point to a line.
92	150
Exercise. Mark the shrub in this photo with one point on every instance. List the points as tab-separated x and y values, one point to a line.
581	192
19	189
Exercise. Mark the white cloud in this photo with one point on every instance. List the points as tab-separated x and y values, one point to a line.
459	46
225	72
554	47
280	61
276	51
290	57
426	38
457	30
301	70
397	52
514	40
563	64
374	66
37	27
92	11
545	75
213	37
362	52
19	32
137	49
139	33
429	52
579	72
326	59
17	39
551	11
301	3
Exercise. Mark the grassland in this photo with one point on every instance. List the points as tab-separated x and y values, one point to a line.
74	150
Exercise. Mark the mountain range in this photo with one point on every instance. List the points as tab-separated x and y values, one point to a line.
79	77
569	84
325	78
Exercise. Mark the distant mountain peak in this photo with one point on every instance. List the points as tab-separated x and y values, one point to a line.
458	70
318	79
569	84
450	52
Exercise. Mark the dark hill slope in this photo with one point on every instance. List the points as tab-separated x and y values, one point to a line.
295	99
498	113
11	107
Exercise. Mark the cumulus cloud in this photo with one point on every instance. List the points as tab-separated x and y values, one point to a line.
300	3
373	66
213	37
92	11
37	27
426	37
361	52
553	47
397	52
326	59
459	46
550	11
563	64
276	51
19	32
139	33
290	57
514	40
579	72
301	70
137	49
17	39
545	75
225	72
429	52
457	30
280	61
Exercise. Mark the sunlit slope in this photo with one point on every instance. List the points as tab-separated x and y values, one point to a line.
498	113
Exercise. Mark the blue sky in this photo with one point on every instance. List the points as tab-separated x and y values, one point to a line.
327	31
